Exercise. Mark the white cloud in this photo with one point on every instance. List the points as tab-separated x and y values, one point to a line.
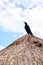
11	19
12	22
35	20
27	3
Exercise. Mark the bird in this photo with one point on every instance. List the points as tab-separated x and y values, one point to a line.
27	28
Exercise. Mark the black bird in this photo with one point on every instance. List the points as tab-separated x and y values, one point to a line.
27	28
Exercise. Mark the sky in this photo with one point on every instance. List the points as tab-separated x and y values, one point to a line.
12	15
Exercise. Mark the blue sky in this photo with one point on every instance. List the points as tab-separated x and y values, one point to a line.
8	37
12	15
